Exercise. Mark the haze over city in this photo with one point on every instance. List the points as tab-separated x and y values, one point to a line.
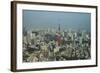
36	19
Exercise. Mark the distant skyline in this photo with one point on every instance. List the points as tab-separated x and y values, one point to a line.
36	19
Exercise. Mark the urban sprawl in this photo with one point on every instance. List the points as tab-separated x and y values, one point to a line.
56	45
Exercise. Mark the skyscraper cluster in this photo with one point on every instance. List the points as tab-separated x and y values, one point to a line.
56	45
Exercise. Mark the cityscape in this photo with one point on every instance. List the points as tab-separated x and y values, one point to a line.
56	45
43	42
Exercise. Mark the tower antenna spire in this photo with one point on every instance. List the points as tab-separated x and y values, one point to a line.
59	28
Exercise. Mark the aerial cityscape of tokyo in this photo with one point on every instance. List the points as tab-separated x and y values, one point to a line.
56	36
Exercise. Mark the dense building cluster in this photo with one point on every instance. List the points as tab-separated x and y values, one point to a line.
56	45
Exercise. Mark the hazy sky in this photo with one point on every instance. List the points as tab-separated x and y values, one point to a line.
33	19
